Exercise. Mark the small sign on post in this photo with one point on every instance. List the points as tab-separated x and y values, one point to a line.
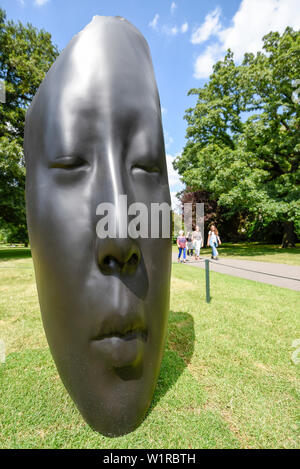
2	351
207	280
2	91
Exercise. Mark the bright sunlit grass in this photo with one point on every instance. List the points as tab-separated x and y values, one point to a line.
227	378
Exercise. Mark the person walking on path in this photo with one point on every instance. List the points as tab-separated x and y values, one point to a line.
213	241
198	242
190	244
181	243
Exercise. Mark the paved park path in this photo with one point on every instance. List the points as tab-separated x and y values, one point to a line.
280	275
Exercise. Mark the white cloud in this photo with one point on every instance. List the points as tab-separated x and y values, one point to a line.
176	204
153	23
184	28
173	7
174	182
210	26
204	62
174	30
164	110
22	2
40	3
170	31
168	140
174	179
253	20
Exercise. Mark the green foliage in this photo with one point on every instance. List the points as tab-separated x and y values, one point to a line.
25	56
12	185
243	135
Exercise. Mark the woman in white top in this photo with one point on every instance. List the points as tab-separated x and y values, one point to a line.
197	241
213	241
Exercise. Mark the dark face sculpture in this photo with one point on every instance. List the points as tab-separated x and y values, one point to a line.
93	133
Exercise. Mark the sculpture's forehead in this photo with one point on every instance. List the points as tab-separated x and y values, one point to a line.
103	80
109	63
99	115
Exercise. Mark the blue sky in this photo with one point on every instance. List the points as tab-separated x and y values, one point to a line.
185	37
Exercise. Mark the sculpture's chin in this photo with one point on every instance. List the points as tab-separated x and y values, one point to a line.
116	428
112	399
118	418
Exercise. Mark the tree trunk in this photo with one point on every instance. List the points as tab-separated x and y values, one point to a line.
288	240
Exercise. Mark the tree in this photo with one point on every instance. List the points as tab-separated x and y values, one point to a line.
243	136
26	54
213	214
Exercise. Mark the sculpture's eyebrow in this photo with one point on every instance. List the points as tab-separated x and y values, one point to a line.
147	143
134	129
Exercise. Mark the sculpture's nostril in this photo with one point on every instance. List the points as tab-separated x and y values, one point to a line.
131	265
107	261
111	264
134	259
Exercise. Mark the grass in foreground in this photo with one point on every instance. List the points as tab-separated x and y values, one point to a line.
227	378
256	252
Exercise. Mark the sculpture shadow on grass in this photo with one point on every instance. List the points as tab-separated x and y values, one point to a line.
178	353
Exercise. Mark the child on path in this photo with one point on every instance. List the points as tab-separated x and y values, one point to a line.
190	244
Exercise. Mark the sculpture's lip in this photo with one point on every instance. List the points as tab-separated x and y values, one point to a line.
126	335
121	349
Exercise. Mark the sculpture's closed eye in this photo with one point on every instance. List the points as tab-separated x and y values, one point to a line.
145	168
70	163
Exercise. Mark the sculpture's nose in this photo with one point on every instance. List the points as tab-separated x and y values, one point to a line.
118	256
117	253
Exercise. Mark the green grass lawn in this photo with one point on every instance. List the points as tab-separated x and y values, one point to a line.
227	378
257	252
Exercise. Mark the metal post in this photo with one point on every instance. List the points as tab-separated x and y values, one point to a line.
207	280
